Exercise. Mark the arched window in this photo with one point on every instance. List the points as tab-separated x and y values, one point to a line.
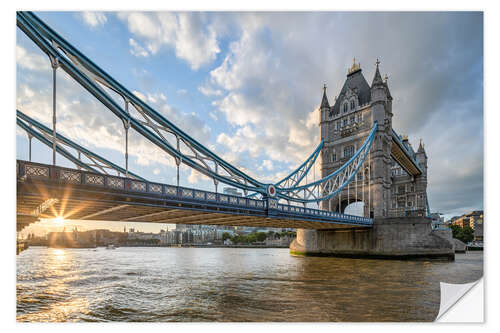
352	105
348	151
334	157
345	107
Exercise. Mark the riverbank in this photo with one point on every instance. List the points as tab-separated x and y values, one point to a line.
21	246
232	246
246	246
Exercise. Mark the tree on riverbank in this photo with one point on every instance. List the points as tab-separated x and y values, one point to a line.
256	237
465	234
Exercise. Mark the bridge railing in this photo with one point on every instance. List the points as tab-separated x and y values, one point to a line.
290	209
79	177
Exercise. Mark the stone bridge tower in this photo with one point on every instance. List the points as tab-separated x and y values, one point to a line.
345	126
389	192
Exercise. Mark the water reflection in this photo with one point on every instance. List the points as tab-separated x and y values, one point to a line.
172	284
59	254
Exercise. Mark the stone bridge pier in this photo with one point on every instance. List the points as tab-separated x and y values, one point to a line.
389	238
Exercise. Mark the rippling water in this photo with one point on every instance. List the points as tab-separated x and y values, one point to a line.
224	284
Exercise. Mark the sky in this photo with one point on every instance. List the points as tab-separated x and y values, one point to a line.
248	85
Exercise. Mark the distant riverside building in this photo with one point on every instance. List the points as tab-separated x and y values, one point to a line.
478	230
470	219
89	238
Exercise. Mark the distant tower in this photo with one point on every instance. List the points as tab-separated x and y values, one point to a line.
421	181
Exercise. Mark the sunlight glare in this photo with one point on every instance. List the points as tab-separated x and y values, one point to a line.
59	220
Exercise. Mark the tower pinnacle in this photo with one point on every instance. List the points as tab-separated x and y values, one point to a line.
377	78
421	148
354	68
324	100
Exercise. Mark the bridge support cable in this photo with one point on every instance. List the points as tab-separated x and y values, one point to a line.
55	64
126	126
369	187
93	79
427	205
294	178
348	184
363	177
301	172
30	137
44	135
334	183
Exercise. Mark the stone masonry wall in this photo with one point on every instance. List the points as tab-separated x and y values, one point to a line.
408	237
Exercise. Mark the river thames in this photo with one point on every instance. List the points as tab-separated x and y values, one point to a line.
229	284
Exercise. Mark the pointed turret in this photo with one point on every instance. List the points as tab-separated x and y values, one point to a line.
324	111
377	78
386	79
379	105
421	157
324	101
421	148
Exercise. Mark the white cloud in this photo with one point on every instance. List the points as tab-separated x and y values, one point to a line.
212	115
268	164
209	91
136	49
94	19
194	177
31	61
192	37
151	98
239	110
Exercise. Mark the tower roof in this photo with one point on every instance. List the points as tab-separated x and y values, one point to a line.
356	82
377	78
324	100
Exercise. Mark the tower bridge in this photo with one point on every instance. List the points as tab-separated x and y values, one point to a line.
362	159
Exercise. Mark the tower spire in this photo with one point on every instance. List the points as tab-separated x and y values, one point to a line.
421	148
355	67
324	100
377	78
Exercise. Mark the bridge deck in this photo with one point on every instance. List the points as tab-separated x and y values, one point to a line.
48	191
403	156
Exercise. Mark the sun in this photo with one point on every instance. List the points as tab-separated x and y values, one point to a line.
59	220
